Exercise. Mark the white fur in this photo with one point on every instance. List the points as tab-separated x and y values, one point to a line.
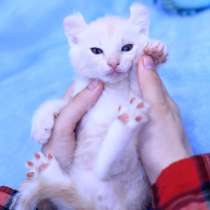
106	171
43	119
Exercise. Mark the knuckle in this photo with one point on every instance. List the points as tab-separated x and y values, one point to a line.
161	109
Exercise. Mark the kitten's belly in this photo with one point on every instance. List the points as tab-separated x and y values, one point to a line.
127	188
118	193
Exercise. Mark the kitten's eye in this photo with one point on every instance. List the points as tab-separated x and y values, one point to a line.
127	47
96	50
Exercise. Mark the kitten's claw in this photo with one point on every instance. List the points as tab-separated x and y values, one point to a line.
134	114
157	50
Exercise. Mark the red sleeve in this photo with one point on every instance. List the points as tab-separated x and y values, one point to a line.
6	196
184	185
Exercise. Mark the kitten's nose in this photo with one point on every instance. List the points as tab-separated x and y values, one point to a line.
113	64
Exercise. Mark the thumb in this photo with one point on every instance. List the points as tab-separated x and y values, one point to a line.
149	81
83	101
78	106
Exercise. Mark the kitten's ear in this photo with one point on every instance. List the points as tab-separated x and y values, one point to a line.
73	25
139	16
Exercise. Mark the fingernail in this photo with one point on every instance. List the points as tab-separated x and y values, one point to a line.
93	84
148	63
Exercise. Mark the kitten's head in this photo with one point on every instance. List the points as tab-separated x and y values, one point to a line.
107	48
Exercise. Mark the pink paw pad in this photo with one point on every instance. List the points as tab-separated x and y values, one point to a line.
37	156
124	118
138	118
30	163
134	114
140	105
43	167
30	174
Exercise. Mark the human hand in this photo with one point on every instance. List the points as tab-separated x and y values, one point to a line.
163	140
62	141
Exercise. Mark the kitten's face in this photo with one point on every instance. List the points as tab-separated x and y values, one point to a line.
106	48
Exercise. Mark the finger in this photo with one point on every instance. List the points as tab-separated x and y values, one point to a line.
78	106
86	99
69	92
152	88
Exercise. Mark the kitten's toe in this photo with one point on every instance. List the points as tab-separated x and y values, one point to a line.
124	117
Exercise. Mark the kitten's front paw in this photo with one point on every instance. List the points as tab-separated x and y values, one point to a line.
157	50
43	120
134	114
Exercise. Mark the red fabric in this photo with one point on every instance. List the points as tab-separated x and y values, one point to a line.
184	185
6	196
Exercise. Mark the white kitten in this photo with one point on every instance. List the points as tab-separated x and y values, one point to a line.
106	173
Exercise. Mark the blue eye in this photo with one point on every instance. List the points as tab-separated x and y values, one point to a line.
96	50
127	47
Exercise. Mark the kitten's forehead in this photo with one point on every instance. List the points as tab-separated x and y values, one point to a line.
110	29
109	25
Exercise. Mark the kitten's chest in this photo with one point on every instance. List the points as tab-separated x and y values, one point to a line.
106	108
95	124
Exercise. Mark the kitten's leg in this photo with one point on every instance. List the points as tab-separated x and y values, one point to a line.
43	119
122	131
157	50
45	180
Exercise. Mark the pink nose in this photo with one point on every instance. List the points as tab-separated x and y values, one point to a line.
113	65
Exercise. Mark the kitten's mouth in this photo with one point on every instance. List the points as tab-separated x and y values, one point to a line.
115	73
115	76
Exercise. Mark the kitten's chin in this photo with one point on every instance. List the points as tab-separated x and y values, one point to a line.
114	77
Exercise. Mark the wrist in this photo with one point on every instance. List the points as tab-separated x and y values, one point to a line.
154	169
155	158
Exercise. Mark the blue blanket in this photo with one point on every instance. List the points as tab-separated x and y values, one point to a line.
34	67
188	3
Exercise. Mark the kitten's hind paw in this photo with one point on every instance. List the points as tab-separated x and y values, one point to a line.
44	173
157	50
43	167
